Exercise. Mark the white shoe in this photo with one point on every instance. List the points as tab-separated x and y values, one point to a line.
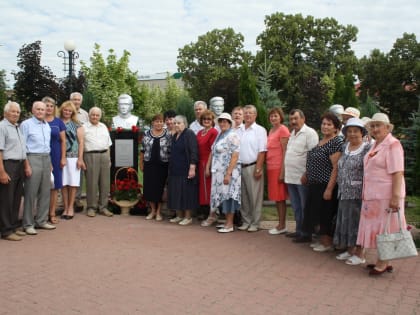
159	217
176	220
314	244
186	221
46	226
355	260
225	230
343	256
150	216
274	231
321	248
252	228
31	231
243	227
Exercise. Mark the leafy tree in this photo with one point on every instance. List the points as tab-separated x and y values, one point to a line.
248	94
184	106
302	48
268	96
3	97
34	81
210	65
345	92
107	79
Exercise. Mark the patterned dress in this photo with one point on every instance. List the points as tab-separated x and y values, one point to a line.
225	145
350	183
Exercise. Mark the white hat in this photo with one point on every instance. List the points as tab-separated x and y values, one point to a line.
380	117
355	122
365	120
337	109
351	111
225	116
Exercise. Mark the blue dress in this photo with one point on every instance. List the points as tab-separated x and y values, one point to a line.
56	126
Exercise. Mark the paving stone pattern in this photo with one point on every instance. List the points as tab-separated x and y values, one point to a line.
127	265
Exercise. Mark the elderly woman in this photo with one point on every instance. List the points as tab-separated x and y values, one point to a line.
154	159
225	172
383	189
321	176
96	156
57	153
182	179
350	182
74	156
205	139
277	139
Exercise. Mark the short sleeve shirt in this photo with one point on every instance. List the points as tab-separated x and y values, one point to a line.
318	164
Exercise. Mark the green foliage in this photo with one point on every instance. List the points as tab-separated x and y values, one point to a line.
34	81
211	63
184	106
3	97
410	139
384	77
304	49
369	107
109	78
345	92
269	97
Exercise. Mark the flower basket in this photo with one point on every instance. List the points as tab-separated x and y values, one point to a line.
126	192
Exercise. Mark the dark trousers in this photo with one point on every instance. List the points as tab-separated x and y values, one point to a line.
10	197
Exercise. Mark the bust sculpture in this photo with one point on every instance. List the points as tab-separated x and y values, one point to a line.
125	119
217	105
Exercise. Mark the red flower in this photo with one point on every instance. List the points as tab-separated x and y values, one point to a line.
134	129
119	130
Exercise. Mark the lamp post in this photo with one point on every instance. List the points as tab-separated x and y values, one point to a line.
69	60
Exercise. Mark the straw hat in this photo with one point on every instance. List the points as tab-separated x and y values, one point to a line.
380	117
351	111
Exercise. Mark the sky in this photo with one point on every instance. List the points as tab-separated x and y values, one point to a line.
153	31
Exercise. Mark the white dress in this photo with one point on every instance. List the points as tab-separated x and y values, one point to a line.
223	148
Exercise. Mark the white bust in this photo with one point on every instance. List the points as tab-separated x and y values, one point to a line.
217	105
125	119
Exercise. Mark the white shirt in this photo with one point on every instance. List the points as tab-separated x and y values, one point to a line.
82	116
297	148
195	126
253	141
126	123
96	137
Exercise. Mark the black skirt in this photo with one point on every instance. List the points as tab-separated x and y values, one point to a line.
182	193
154	180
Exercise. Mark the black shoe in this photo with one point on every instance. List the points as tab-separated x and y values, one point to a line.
292	234
302	239
64	216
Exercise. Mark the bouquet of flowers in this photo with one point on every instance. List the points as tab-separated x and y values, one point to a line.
127	188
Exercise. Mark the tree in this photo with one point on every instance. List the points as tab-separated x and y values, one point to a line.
269	97
345	92
107	79
302	48
215	57
3	96
34	81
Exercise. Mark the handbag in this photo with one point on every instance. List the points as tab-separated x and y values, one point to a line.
395	245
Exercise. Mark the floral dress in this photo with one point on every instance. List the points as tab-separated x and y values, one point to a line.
224	146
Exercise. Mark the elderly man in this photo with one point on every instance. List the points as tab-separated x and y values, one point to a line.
77	99
12	160
302	139
83	117
199	108
124	119
37	134
252	155
98	162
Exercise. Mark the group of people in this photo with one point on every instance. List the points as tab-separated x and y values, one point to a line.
341	185
48	153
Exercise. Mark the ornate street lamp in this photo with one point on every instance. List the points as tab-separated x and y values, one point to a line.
69	61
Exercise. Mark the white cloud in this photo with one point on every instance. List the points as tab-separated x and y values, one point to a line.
153	31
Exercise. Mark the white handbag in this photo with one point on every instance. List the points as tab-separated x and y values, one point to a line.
395	245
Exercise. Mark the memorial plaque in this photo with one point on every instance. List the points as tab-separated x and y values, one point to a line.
124	152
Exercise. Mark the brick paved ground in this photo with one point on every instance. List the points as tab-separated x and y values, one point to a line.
126	265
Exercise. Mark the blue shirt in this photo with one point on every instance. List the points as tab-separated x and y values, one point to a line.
37	135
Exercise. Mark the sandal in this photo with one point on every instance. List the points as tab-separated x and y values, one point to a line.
209	221
53	219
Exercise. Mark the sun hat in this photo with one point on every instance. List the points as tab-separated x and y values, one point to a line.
351	111
365	120
380	117
225	116
355	122
337	109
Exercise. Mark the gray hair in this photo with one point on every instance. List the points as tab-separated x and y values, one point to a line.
47	99
9	104
296	110
200	103
97	109
76	94
251	107
183	119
